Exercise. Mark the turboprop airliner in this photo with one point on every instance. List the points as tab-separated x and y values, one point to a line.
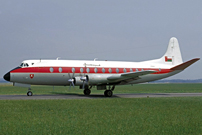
105	75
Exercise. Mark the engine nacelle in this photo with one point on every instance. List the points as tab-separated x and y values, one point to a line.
78	81
92	79
96	79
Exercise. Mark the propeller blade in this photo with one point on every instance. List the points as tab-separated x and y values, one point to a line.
71	80
70	86
73	83
83	78
69	75
73	75
83	84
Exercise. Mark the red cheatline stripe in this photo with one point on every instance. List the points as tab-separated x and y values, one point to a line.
77	70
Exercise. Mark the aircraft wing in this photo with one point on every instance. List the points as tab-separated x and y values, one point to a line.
131	75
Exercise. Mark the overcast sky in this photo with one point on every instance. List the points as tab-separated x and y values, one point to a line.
128	30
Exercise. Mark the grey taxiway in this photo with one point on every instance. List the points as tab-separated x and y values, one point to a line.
95	96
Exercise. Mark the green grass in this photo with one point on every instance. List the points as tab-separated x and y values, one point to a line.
138	88
102	116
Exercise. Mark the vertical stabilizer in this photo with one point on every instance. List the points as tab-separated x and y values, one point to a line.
173	54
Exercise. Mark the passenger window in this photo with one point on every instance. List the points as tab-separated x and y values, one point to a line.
103	70
110	70
51	70
60	70
95	70
117	70
124	70
81	70
136	69
88	70
73	70
131	70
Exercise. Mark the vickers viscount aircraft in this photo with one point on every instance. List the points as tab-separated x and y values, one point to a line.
105	75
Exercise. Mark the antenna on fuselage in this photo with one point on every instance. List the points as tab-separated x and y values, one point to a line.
95	59
57	58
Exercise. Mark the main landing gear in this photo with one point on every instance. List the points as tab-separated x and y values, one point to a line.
87	90
109	93
29	93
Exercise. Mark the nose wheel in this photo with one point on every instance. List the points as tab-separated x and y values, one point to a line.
29	93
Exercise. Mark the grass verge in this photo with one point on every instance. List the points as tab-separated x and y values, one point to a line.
102	116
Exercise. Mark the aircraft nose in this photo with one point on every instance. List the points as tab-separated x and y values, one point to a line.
7	76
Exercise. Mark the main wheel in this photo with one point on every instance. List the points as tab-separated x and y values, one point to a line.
87	92
29	93
108	93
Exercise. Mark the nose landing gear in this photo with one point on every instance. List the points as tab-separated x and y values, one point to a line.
29	93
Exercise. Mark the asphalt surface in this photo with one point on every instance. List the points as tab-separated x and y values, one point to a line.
80	96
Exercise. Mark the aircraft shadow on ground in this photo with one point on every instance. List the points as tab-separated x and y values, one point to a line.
82	95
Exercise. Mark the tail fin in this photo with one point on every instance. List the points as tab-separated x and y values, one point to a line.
173	54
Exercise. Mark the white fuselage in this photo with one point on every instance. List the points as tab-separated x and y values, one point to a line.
58	72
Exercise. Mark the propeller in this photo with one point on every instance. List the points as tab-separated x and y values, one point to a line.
71	80
85	80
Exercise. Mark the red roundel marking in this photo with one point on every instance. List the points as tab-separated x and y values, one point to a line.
31	76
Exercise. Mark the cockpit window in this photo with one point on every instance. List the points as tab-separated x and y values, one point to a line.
24	65
21	65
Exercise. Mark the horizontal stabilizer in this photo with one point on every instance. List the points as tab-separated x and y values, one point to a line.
185	64
130	75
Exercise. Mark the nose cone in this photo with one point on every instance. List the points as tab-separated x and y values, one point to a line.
7	76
